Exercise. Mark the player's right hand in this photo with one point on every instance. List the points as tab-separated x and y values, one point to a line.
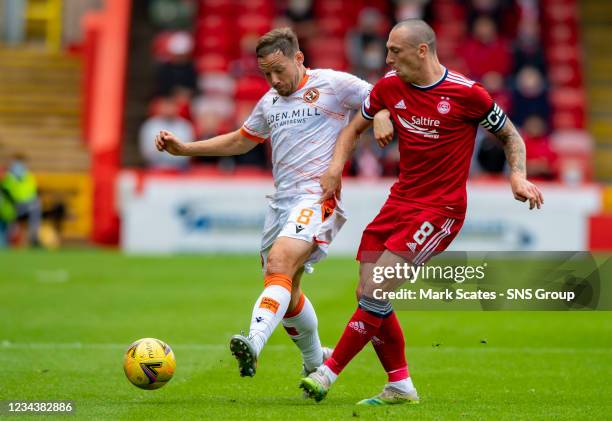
383	128
331	184
167	141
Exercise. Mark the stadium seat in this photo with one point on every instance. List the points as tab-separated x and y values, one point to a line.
213	82
212	24
564	74
212	62
257	24
330	8
332	26
213	43
257	7
223	8
575	149
329	62
327	46
250	88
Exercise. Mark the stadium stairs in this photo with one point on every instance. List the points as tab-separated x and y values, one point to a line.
40	110
596	34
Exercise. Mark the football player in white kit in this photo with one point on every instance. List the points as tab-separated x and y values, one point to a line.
302	115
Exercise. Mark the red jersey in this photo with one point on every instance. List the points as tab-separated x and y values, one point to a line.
436	127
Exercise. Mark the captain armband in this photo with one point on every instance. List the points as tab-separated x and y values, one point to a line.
494	119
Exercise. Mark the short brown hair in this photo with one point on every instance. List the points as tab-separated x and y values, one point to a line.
280	39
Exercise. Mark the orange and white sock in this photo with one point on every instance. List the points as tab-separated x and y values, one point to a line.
269	309
302	326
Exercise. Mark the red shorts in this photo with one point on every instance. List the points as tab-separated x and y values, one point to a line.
415	234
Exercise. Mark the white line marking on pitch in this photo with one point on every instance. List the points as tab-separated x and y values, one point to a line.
219	347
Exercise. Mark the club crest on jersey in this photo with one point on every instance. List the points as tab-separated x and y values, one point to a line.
444	106
311	95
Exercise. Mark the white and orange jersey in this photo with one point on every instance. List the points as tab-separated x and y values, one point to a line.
303	127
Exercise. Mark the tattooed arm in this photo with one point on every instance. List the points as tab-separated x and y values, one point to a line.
514	147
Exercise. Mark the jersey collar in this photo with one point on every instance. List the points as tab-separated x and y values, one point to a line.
303	81
433	85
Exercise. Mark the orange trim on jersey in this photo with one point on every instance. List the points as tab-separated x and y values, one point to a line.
303	81
278	279
250	136
298	308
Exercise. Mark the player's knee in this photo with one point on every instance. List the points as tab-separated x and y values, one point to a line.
367	289
278	262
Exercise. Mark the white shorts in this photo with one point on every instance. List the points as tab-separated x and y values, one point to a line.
301	217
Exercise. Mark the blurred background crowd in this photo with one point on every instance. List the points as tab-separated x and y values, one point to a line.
206	77
80	104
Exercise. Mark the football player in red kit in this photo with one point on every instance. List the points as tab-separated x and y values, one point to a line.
436	113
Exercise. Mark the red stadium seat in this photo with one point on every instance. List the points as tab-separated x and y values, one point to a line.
562	33
563	120
329	62
575	151
563	53
250	88
448	11
452	31
213	23
561	13
210	45
327	46
332	26
569	108
253	24
567	97
216	7
330	7
257	7
565	75
212	62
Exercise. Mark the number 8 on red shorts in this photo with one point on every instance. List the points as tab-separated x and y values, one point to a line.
413	233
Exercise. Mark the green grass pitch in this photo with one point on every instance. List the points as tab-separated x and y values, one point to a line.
67	317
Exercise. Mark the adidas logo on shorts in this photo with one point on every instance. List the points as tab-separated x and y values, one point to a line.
358	326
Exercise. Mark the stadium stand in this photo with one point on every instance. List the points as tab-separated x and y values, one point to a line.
595	29
202	57
39	109
534	74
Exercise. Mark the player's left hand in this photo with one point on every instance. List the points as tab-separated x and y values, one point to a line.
383	128
524	190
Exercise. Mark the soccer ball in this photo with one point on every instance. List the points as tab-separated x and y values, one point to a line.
149	363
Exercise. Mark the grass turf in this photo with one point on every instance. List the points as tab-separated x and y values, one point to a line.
67	317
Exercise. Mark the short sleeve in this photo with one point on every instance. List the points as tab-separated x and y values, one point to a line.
373	103
256	126
480	107
350	90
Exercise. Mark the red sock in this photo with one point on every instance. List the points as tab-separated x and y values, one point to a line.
389	345
357	333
